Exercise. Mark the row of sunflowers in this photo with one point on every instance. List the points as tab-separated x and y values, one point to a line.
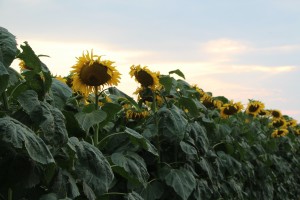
80	137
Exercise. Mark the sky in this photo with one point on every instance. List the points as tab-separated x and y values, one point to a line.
238	49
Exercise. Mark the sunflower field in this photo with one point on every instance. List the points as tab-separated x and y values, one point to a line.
80	137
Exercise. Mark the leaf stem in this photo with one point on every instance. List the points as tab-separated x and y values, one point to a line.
108	136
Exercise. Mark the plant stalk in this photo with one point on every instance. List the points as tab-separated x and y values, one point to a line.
96	132
10	194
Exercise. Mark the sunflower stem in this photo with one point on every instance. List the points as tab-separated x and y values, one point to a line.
154	109
96	133
10	194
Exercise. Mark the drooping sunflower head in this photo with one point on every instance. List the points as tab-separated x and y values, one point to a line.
199	90
144	76
254	107
230	109
279	123
279	133
264	112
276	113
291	123
91	71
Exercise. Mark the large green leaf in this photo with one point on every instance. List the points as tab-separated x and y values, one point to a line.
16	135
188	148
61	93
203	190
198	133
206	167
92	167
182	181
153	191
88	119
190	105
137	138
169	84
8	47
111	109
172	124
131	166
4	77
48	118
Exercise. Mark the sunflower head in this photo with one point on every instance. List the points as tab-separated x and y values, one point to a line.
264	112
254	107
276	113
279	123
230	109
144	76
291	123
279	133
91	71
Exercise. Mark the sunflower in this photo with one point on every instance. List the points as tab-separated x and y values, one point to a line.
199	90
145	77
264	112
297	131
279	123
90	72
209	102
130	114
230	109
279	133
254	107
276	113
291	123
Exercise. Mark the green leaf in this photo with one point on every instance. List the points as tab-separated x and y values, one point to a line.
190	105
178	72
119	93
18	136
171	123
87	120
202	191
137	138
4	77
182	181
169	84
61	93
14	78
72	125
205	166
31	60
131	166
133	196
188	148
198	133
8	47
92	167
38	78
48	118
111	109
153	191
